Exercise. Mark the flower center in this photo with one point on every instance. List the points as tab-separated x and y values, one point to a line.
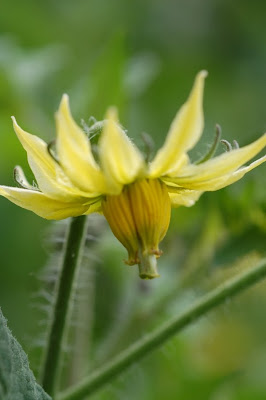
139	217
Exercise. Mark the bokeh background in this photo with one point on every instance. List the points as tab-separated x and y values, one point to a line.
141	56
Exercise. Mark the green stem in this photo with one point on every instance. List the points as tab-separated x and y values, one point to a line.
155	339
72	251
148	266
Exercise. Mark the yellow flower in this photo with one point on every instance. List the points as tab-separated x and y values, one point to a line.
135	196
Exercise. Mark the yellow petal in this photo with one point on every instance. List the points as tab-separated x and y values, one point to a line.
225	164
95	207
74	152
121	161
42	205
184	132
235	176
183	197
44	167
180	164
225	180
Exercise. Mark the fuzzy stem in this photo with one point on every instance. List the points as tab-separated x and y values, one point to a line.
74	244
155	339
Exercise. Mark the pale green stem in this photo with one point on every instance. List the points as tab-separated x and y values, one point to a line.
155	339
147	266
72	252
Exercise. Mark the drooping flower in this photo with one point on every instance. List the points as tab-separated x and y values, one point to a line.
135	196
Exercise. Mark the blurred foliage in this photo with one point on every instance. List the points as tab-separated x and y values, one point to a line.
141	56
17	380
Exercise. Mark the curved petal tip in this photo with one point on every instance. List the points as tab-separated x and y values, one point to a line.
18	130
64	103
203	73
112	114
14	121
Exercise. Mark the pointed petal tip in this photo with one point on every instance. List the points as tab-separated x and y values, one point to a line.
65	98
203	73
112	113
64	103
200	78
14	120
63	109
16	127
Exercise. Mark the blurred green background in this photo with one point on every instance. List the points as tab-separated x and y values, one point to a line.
141	56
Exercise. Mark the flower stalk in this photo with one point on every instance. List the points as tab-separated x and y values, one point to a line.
155	339
148	266
72	253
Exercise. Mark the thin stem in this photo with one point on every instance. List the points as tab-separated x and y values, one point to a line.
155	339
74	244
148	266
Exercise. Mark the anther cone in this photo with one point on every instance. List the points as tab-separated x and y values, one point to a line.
139	217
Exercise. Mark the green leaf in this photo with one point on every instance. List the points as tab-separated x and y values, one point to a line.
17	381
